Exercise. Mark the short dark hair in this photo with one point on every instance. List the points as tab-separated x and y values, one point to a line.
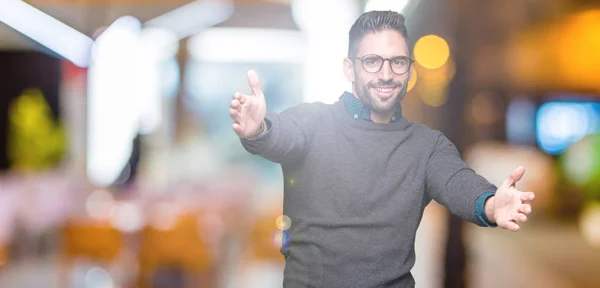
375	21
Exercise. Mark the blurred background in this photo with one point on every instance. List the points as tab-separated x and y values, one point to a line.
119	167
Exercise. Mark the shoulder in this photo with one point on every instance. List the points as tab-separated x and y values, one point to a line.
314	109
314	106
425	132
429	137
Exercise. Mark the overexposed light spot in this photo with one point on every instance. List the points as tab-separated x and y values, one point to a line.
113	110
127	217
386	5
247	45
325	22
97	277
194	17
46	30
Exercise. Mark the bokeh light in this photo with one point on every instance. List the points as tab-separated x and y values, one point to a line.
283	222
127	217
578	43
431	51
280	239
581	164
97	277
483	110
165	216
431	95
100	205
413	79
589	224
557	55
433	83
559	124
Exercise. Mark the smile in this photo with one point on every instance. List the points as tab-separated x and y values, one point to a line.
384	90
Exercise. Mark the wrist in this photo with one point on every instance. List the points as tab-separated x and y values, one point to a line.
489	208
259	131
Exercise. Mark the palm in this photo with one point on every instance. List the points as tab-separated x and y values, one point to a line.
252	113
505	199
510	204
248	111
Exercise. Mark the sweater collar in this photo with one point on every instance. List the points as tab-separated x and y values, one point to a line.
357	110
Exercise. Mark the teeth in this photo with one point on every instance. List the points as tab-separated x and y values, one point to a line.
385	90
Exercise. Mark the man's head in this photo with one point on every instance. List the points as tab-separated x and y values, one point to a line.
379	60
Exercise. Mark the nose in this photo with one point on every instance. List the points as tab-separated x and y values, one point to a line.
386	72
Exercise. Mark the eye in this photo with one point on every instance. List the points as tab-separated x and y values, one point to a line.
400	62
370	61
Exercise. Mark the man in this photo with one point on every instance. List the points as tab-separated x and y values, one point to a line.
358	174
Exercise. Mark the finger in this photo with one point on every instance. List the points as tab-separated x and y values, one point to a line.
240	97
527	196
515	176
520	217
508	224
237	128
254	83
525	209
512	226
235	104
235	115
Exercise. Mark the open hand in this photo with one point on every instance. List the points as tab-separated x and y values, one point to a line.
248	111
511	205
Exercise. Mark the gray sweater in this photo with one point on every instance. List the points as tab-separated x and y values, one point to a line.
355	192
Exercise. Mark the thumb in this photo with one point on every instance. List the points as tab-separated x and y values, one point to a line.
254	83
515	176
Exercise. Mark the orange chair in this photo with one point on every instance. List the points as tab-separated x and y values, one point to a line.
94	240
3	256
182	246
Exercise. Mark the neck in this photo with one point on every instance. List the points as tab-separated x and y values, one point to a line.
381	117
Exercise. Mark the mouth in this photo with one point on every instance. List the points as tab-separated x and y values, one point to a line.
384	92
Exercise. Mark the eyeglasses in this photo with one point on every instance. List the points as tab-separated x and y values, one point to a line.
373	63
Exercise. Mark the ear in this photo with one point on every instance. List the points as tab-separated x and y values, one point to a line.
349	69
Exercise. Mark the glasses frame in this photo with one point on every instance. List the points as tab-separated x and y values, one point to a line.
389	60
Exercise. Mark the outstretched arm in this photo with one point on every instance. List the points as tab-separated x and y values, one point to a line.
278	137
453	184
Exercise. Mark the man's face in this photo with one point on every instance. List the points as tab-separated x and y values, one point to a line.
381	90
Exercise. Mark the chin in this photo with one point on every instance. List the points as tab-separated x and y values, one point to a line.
387	106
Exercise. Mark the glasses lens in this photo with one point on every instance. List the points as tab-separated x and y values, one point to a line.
400	65
372	63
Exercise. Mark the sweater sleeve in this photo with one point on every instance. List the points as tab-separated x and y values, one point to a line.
288	135
453	184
